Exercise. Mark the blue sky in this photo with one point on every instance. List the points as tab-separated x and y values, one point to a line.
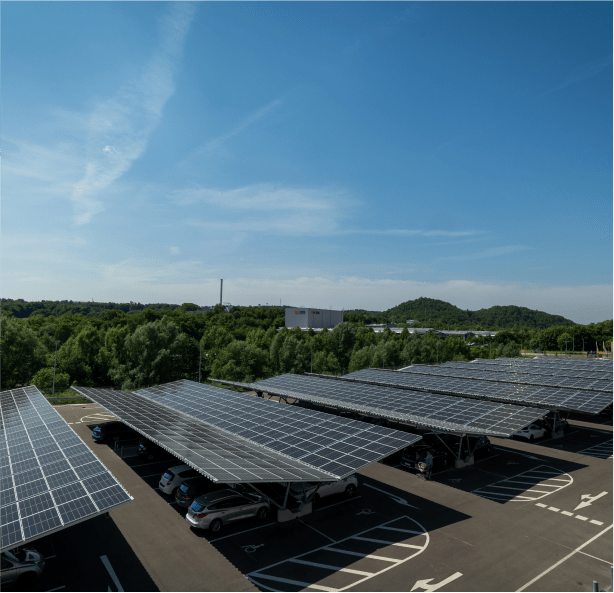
345	155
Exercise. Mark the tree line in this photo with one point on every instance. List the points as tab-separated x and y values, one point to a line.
149	347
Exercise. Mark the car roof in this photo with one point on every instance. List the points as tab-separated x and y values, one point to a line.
197	480
178	468
219	495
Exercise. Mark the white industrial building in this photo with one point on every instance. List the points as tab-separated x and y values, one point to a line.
315	318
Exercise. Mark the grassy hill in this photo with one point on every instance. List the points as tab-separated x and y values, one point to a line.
442	314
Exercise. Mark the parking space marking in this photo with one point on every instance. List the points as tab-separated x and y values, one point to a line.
260	576
602	450
298	583
335	504
568	514
322	534
504	490
340	568
57	588
217	539
578	549
111	572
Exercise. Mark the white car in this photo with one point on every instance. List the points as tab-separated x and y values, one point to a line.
173	477
348	485
531	432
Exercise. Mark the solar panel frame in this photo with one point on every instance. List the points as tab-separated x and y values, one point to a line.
414	407
36	467
589	402
530	370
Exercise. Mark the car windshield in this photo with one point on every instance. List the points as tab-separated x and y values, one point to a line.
168	476
197	507
184	487
97	429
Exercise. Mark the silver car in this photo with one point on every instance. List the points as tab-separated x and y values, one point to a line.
23	566
173	477
300	489
211	511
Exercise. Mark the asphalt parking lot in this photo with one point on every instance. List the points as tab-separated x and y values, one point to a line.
510	522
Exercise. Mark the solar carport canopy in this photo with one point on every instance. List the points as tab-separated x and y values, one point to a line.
50	478
604	366
233	437
439	412
517	377
588	402
533	370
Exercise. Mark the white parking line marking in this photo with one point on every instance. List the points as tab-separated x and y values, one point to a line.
291	582
340	568
567	513
335	504
539	576
383	541
541	504
57	588
596	522
401	530
111	572
49	557
602	450
390	562
217	539
537	476
322	534
361	555
581	518
554	509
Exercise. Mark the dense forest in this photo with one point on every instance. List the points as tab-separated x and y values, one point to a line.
148	346
427	313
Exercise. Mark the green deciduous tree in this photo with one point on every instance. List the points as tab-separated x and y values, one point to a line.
22	354
44	380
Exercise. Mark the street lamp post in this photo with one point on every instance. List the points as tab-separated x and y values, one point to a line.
582	345
54	362
200	361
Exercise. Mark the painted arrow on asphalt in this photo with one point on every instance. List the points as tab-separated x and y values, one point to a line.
587	500
395	498
424	584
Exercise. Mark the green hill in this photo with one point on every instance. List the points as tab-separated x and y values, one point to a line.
441	314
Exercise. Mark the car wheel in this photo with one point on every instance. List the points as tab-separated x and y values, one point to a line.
215	526
262	513
350	490
150	457
27	581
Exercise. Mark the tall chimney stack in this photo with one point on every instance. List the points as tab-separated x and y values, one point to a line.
221	286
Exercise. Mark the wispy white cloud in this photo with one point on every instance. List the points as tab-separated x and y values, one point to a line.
267	207
491	252
411	232
119	128
215	143
175	250
583	72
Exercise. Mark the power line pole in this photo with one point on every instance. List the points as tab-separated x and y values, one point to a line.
200	361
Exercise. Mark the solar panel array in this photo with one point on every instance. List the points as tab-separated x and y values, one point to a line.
556	363
590	402
50	478
473	372
336	445
526	369
439	412
212	451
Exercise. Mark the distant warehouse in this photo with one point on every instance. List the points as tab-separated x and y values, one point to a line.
316	318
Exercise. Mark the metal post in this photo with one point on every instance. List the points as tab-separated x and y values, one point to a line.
595	586
200	361
311	344
582	345
54	362
221	286
437	349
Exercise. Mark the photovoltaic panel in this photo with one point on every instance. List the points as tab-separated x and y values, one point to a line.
233	437
439	412
556	363
42	461
588	402
518	378
527	369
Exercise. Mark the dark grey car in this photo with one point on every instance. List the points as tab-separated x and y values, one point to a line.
22	566
211	511
193	488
